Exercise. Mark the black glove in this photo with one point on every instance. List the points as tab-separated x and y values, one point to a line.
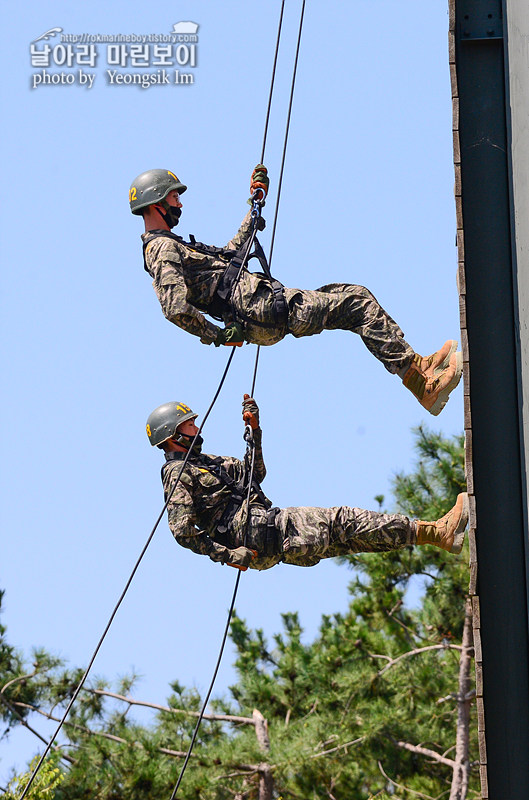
241	557
232	335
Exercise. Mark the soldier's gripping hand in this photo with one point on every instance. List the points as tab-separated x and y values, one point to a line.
250	412
260	180
232	336
241	557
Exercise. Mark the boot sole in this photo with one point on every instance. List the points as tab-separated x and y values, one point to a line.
459	535
446	361
442	399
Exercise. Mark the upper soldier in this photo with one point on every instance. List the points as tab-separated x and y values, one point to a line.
190	278
207	508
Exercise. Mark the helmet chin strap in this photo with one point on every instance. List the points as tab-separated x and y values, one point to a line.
185	441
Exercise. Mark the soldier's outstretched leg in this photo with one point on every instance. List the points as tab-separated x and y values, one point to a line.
349	307
310	534
448	533
432	378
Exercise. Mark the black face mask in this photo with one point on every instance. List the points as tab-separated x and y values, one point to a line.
172	214
185	441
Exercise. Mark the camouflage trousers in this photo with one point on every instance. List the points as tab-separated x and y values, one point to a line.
305	535
352	308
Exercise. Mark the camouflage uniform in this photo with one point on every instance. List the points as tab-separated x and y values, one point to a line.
186	281
300	536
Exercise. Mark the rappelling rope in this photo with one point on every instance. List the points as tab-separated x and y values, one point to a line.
250	439
251	449
272	80
125	590
249	443
280	183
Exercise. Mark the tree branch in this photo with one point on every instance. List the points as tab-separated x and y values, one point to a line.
19	678
339	747
26	724
174	753
406	628
239	774
404	788
417	651
131	701
110	736
261	731
425	751
455	696
245	768
257	720
461	773
380	655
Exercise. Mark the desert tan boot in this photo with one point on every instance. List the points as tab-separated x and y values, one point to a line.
432	378
448	533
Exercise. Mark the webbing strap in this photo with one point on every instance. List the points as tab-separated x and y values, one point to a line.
231	275
238	488
207	249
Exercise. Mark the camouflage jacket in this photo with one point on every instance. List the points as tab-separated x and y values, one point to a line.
166	260
186	281
200	498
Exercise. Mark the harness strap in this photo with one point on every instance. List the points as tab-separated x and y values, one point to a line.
238	488
273	544
259	253
200	247
229	279
230	276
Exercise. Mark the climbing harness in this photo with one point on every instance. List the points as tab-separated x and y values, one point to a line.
234	271
250	456
237	488
217	298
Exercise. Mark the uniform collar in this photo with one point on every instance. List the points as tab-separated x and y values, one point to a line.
154	230
176	455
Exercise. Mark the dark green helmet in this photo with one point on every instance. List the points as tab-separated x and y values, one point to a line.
151	187
164	421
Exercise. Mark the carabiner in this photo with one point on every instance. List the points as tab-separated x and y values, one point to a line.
248	436
257	204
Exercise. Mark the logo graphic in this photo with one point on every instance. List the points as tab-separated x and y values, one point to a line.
142	60
49	34
185	27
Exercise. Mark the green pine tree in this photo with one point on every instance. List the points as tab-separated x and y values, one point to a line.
45	785
379	705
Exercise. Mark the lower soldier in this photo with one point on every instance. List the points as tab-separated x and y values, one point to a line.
207	510
190	278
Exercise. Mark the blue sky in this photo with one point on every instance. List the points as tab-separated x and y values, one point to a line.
367	199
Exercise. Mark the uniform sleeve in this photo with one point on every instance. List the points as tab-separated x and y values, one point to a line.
183	521
165	266
242	234
259	468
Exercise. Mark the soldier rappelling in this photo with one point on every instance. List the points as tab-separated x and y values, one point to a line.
208	512
192	279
